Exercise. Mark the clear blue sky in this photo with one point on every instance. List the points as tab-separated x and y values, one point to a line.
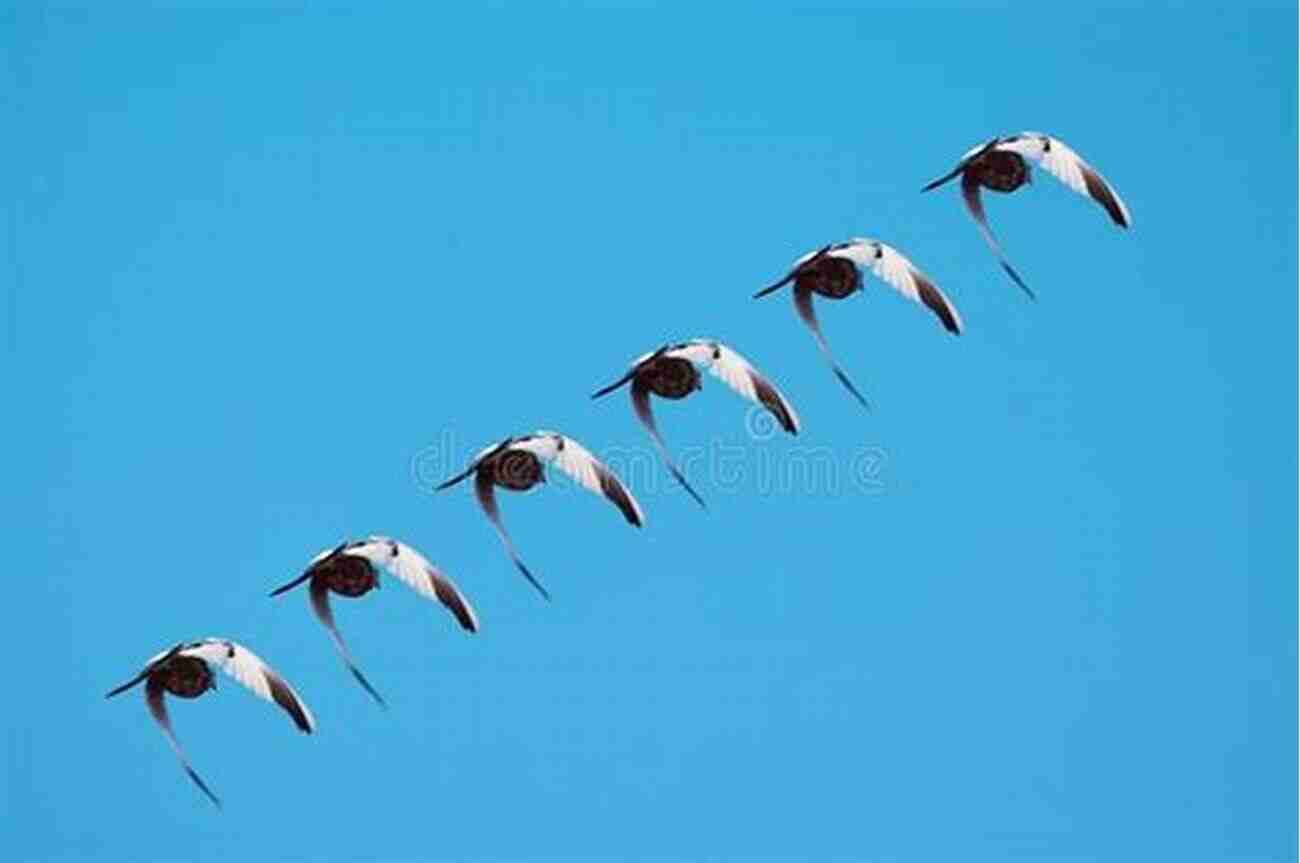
260	264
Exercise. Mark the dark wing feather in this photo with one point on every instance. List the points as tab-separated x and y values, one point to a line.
450	597
771	400
790	276
487	499
937	303
284	697
641	404
803	304
154	695
1102	194
970	191
320	603
617	494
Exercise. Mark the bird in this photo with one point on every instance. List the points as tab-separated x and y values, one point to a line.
1000	164
185	670
516	464
672	372
834	272
352	568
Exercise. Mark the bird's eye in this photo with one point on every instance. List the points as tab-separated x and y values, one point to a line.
717	354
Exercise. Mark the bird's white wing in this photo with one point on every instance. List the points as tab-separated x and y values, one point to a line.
738	373
478	456
148	663
805	258
246	667
894	269
1063	163
323	554
155	696
417	573
584	468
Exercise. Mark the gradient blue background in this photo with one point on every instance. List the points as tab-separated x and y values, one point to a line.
264	268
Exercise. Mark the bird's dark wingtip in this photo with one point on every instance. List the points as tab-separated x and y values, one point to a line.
934	184
1015	277
216	801
848	384
677	475
546	595
365	684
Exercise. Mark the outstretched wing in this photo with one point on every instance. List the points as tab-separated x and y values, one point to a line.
891	267
320	603
803	304
966	159
738	373
584	468
641	404
154	696
150	664
627	375
249	670
311	568
1055	157
419	574
794	271
474	463
487	499
970	192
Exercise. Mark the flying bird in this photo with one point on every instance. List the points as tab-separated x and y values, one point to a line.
352	569
672	372
516	464
185	670
835	272
1000	165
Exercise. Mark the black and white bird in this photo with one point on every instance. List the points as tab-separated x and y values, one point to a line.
185	670
352	569
835	272
672	372
1000	165
516	464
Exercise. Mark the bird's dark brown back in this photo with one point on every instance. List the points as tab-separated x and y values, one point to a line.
829	276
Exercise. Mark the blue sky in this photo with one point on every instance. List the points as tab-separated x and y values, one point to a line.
270	272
